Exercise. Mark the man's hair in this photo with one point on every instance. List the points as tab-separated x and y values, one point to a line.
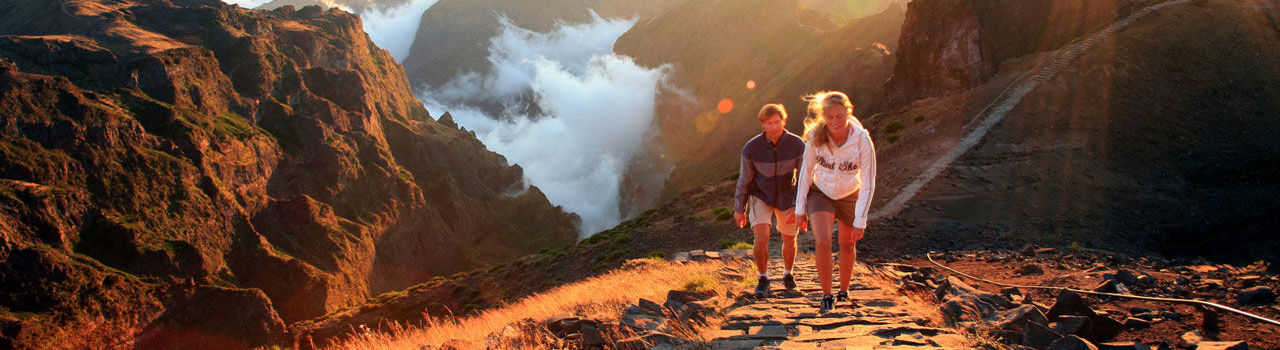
772	109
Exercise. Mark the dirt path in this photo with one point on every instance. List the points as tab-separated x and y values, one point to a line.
877	317
1006	101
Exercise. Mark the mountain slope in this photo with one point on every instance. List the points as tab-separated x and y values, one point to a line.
1159	139
160	157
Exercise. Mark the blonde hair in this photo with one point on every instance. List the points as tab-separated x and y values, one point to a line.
815	124
770	110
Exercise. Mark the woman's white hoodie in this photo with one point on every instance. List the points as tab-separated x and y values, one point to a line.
840	171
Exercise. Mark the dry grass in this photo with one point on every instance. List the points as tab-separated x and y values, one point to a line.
602	297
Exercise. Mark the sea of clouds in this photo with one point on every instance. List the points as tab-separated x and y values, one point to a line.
595	109
592	115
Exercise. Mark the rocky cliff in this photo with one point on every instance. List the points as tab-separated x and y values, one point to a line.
169	165
949	46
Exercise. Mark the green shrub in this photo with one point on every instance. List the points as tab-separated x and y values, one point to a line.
920	117
656	255
722	213
892	138
893	126
742	246
701	283
733	244
698	203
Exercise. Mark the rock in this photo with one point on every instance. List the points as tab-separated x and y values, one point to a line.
1190	339
592	336
1070	303
1107	286
1068	324
1259	295
680	256
1072	342
1102	328
697	311
648	340
677	298
768	331
698	255
1122	288
953	341
712	254
1017	318
1029	270
1013	294
1126	276
644	322
1038	336
651	306
1222	345
563	325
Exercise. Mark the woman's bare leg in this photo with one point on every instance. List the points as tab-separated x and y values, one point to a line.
848	252
820	223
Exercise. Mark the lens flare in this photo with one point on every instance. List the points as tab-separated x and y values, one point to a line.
725	106
751	84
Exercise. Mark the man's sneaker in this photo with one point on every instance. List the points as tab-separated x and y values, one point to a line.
828	303
842	296
789	282
762	287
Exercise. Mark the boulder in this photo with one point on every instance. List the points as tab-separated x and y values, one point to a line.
1017	318
650	306
1070	303
1038	336
1259	295
1072	342
592	336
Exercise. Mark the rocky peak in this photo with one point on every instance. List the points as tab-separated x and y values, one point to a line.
229	149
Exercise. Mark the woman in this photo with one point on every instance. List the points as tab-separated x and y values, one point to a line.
836	181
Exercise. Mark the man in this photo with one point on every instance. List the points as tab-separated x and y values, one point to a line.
766	191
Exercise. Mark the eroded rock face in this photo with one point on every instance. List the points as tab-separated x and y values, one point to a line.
949	46
203	144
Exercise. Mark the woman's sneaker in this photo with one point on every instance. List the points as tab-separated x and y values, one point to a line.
789	282
842	296
762	287
828	303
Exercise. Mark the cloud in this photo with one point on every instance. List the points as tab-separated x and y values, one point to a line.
594	112
394	28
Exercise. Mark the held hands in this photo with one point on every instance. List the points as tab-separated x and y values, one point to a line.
740	218
803	220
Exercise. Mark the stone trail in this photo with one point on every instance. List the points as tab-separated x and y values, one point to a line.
876	318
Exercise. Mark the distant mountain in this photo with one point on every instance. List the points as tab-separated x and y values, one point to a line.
454	36
179	172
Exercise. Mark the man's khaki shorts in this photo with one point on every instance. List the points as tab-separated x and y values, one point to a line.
760	213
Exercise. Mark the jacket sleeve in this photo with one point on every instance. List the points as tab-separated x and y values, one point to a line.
746	172
867	157
804	177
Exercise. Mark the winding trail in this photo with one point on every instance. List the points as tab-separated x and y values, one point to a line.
877	316
1006	101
